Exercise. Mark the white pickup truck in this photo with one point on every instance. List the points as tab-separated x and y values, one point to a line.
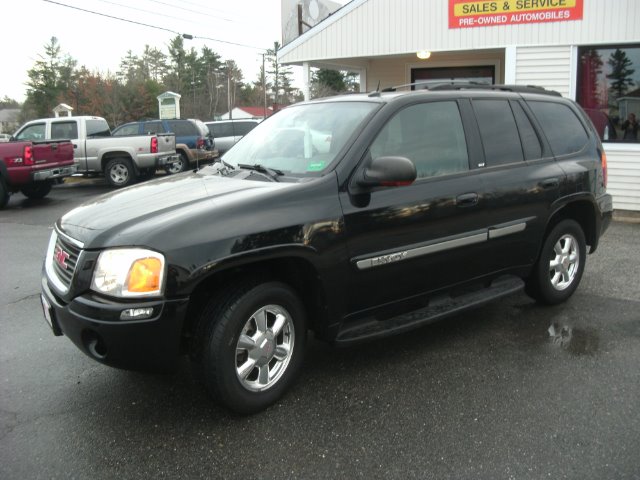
122	160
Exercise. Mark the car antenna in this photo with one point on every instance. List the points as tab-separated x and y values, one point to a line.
376	93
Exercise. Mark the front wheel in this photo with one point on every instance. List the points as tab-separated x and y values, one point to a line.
559	269
36	190
251	345
119	172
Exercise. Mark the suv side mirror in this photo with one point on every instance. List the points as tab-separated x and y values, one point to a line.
388	172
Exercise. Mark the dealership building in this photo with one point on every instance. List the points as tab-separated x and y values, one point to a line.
588	50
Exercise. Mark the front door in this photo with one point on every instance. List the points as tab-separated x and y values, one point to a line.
425	236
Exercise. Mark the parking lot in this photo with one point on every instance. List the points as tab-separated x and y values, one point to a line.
511	390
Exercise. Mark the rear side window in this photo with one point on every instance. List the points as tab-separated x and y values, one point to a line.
222	129
530	141
430	135
64	130
242	128
499	133
183	128
561	126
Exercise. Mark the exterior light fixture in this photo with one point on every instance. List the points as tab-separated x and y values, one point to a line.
423	54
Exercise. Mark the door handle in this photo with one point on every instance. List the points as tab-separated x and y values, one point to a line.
550	183
467	200
75	145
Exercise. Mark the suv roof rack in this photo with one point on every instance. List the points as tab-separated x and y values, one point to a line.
438	85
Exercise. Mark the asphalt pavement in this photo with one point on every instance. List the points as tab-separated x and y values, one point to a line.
512	390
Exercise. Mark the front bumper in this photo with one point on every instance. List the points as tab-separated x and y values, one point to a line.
93	324
60	172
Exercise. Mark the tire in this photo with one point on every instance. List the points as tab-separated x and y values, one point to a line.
36	190
119	172
181	165
250	344
4	194
559	269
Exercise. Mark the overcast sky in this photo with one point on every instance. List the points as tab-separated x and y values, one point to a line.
99	42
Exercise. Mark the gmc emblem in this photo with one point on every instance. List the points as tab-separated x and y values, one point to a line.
61	257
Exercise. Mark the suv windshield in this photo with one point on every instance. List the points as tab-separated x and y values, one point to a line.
301	139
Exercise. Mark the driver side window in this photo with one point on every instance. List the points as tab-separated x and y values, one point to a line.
430	135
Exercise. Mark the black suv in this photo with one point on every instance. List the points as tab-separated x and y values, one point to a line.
355	217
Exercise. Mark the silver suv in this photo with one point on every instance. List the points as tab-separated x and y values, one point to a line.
227	132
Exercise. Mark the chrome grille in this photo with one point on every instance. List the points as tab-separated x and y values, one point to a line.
62	260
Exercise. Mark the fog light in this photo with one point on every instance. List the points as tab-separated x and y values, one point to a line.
136	313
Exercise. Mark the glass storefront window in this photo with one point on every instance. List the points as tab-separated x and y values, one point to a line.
609	90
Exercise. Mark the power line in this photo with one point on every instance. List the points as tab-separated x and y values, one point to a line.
111	16
193	11
155	26
208	7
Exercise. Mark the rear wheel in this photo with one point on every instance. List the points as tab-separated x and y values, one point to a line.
36	189
180	165
119	172
559	269
251	342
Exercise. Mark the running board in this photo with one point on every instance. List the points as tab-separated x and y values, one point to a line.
438	308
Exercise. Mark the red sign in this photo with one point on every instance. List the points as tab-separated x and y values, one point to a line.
490	13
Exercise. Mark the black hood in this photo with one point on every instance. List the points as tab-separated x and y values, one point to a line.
112	218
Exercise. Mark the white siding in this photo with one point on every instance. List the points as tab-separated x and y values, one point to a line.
624	176
548	67
370	28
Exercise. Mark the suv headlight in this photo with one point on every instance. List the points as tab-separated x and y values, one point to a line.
129	272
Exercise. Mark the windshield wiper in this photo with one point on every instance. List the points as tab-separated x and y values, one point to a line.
273	173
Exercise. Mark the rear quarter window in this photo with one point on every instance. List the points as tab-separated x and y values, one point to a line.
561	126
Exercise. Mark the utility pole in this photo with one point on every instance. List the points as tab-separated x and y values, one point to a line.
229	89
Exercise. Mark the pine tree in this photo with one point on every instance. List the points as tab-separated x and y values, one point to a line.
50	77
621	73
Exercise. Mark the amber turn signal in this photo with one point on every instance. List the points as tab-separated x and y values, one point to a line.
144	275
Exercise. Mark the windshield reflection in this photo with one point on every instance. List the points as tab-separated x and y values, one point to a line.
301	139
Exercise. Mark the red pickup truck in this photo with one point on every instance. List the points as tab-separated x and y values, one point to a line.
31	167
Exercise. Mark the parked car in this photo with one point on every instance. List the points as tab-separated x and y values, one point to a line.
121	160
425	204
194	144
228	132
4	137
32	167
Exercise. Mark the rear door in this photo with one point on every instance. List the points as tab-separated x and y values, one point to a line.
520	181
